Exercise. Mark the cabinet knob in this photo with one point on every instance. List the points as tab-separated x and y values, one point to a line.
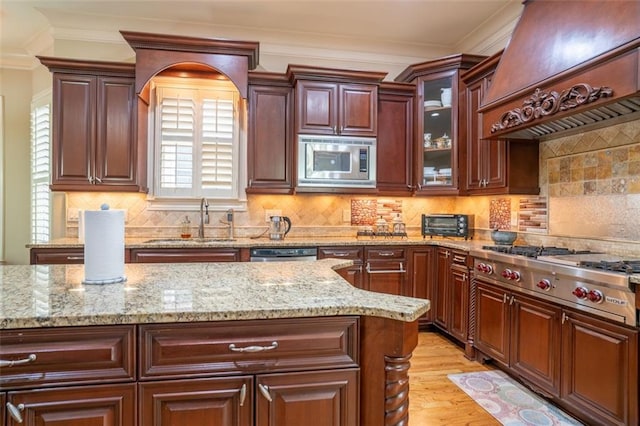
243	394
264	390
15	412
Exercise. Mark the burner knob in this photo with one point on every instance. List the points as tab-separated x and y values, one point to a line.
506	274
483	267
515	276
580	292
544	284
595	296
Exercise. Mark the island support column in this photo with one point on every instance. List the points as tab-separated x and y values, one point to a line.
386	348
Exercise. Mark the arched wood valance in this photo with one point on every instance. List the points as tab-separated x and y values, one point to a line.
157	52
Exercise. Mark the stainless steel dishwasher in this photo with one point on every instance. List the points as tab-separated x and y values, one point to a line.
283	254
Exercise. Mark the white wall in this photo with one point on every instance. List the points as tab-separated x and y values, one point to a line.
15	86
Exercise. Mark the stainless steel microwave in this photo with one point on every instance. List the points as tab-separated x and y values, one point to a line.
336	161
447	225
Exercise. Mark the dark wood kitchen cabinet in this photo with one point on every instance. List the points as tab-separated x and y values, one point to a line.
451	294
326	108
56	256
535	343
75	376
94	144
497	166
335	102
353	274
441	289
190	372
421	265
63	256
458	296
270	129
278	400
112	405
440	127
293	399
225	401
395	139
599	370
386	270
521	333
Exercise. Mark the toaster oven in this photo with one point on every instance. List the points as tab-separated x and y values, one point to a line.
447	225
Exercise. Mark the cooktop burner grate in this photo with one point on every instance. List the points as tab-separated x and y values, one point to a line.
533	251
625	266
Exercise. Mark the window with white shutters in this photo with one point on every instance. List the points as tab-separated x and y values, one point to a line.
197	140
40	170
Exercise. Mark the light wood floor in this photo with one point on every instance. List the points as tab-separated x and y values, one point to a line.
433	398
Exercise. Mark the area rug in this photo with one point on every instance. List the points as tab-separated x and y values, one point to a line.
508	401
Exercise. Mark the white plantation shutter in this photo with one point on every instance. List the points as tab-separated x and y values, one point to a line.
40	170
217	144
197	142
177	121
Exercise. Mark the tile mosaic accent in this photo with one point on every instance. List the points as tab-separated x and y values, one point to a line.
533	215
500	213
364	212
389	209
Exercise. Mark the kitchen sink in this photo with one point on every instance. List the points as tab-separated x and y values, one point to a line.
188	240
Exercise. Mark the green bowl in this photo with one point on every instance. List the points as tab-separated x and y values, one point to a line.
504	237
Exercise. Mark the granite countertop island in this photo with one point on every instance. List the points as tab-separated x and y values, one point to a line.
298	323
53	295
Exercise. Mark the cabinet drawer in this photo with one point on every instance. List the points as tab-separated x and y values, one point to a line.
201	349
66	355
459	257
385	253
354	253
184	255
57	256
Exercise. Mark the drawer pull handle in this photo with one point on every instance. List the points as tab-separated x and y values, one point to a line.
340	254
386	253
264	390
243	394
27	360
401	270
234	348
75	257
459	259
15	412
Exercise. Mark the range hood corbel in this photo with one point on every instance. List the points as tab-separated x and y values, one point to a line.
569	67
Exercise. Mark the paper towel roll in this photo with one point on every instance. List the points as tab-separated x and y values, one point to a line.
103	246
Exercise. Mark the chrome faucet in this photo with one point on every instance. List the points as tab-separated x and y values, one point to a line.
229	223
204	216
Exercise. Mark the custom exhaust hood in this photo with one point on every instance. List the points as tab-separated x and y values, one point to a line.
570	66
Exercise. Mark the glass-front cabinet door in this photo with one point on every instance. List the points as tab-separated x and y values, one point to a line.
440	122
437	168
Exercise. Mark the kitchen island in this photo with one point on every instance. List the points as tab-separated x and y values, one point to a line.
246	343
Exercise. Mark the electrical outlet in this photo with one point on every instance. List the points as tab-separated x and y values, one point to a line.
72	214
271	212
346	215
